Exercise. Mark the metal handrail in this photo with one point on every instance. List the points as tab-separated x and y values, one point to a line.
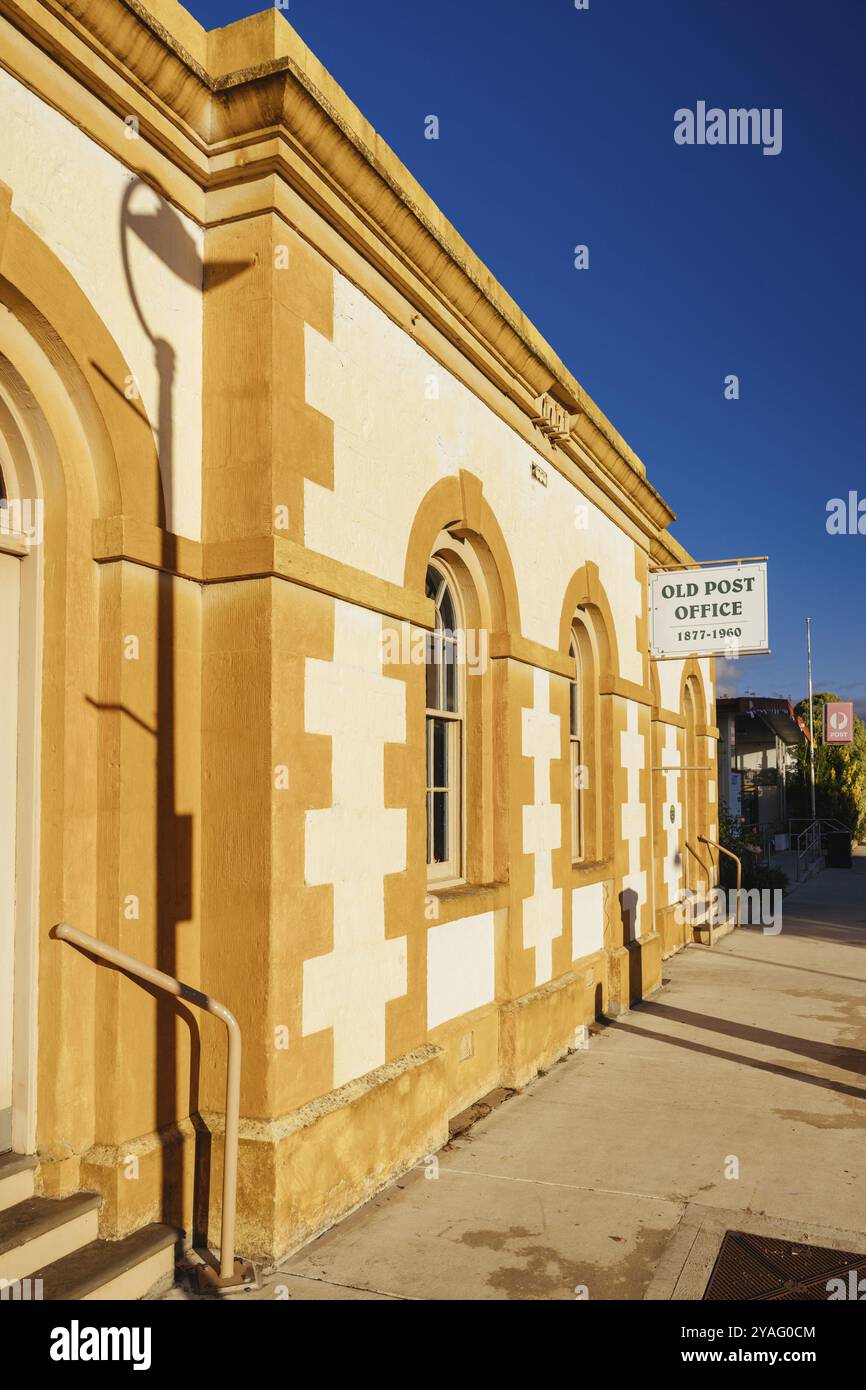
693	852
834	823
737	860
64	932
808	844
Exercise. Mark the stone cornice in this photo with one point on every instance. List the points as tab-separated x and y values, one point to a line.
233	110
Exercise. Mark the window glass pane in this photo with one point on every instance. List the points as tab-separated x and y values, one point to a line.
441	648
440	827
443	756
440	753
450	675
575	689
446	608
432	702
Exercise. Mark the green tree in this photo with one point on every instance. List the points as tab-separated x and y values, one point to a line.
840	772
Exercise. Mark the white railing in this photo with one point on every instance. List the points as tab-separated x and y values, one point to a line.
807	847
809	843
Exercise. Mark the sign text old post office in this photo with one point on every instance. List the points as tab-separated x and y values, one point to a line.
717	611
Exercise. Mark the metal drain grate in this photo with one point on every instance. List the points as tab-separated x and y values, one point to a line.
758	1267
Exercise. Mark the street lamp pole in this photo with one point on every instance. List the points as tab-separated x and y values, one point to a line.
811	715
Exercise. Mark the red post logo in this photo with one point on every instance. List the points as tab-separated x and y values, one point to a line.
839	721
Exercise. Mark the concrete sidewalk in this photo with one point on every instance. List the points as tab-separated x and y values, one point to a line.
610	1172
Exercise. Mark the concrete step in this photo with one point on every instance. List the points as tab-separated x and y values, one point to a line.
40	1230
815	869
131	1268
709	933
17	1176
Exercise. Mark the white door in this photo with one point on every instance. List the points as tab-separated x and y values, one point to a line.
10	581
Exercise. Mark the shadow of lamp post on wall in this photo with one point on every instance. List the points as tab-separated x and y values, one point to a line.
148	218
160	229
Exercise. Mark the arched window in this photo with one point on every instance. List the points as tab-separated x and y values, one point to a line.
591	786
577	766
445	738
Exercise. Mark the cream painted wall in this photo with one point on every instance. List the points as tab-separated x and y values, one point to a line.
670	676
712	808
354	843
69	191
587	919
633	817
461	965
542	827
705	666
673	867
392	442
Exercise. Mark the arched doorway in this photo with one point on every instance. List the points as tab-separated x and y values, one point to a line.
689	791
20	536
9	639
697	871
74	451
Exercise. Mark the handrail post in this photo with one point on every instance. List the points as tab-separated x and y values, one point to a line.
233	1274
693	852
230	1145
708	871
739	863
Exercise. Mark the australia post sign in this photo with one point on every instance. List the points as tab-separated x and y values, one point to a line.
839	721
717	611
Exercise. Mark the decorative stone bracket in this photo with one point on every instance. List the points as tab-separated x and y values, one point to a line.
553	420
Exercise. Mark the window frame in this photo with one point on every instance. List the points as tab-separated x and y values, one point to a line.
449	871
576	696
590	816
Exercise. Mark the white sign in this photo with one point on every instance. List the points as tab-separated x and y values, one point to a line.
717	611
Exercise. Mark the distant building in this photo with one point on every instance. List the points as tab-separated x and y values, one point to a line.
757	738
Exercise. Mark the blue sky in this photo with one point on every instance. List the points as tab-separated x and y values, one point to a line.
556	128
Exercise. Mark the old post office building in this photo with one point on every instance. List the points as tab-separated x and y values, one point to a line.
326	684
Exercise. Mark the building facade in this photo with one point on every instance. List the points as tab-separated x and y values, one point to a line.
323	591
758	736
